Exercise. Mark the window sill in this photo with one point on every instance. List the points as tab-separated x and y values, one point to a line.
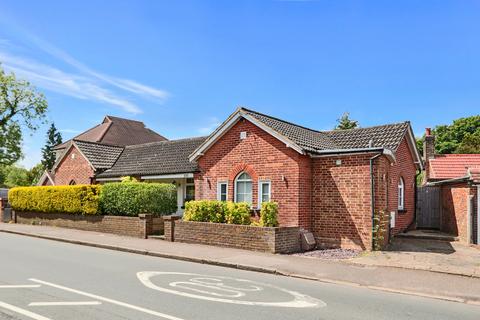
401	211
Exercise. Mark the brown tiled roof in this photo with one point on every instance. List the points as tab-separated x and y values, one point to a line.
155	158
101	156
384	136
117	131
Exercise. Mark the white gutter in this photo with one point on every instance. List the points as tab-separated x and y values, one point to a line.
343	152
108	179
168	176
436	183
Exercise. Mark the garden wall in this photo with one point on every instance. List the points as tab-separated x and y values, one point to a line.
139	227
267	239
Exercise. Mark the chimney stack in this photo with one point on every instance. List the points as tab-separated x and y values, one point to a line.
429	145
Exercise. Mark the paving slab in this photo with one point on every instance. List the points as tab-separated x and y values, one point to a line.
402	280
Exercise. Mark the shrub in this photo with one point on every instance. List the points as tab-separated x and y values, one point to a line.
128	179
237	213
80	199
269	214
133	198
205	211
217	212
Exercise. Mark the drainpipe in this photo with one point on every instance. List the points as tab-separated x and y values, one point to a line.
414	221
372	188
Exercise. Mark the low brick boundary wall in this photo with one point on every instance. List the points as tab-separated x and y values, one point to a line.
139	227
275	240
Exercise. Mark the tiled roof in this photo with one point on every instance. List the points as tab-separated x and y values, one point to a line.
117	131
101	156
156	158
308	139
451	166
386	136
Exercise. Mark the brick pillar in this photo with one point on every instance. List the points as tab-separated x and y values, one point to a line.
147	220
169	227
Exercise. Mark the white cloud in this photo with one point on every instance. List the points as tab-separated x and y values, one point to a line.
213	123
74	85
125	84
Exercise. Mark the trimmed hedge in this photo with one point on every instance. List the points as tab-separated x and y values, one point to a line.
80	199
217	212
131	198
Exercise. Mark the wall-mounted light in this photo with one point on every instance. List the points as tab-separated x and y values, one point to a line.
338	162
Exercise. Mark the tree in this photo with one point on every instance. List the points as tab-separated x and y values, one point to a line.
16	177
53	138
20	105
470	143
35	173
345	122
462	136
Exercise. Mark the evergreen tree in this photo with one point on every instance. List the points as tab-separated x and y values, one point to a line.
345	122
53	138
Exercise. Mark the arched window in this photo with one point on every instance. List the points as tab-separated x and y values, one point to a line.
243	188
401	194
72	182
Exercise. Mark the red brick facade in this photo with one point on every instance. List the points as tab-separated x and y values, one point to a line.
74	167
454	204
263	157
328	197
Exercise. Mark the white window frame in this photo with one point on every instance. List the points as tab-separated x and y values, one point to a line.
401	194
219	190
260	185
235	189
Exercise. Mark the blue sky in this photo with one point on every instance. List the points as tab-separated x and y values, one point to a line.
183	66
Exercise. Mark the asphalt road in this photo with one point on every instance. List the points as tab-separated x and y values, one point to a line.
42	279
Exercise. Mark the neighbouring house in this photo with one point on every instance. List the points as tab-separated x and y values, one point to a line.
455	179
95	150
328	182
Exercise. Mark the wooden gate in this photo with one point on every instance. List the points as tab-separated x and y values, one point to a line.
428	207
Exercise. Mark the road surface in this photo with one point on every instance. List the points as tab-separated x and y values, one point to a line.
43	279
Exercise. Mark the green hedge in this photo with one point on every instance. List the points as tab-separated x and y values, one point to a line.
269	214
83	199
131	199
217	211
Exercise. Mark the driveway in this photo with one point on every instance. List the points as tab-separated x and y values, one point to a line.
423	254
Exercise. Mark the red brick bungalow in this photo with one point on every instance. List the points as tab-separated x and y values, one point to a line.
326	182
458	178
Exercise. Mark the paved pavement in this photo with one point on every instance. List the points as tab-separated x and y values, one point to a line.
42	279
424	254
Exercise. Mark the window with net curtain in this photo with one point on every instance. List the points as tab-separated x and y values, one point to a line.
243	188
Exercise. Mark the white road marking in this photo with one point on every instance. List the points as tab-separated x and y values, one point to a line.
64	303
112	301
19	286
23	312
299	300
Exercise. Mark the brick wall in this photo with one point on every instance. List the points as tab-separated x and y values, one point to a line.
403	167
341	202
275	240
263	157
138	227
74	167
454	201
